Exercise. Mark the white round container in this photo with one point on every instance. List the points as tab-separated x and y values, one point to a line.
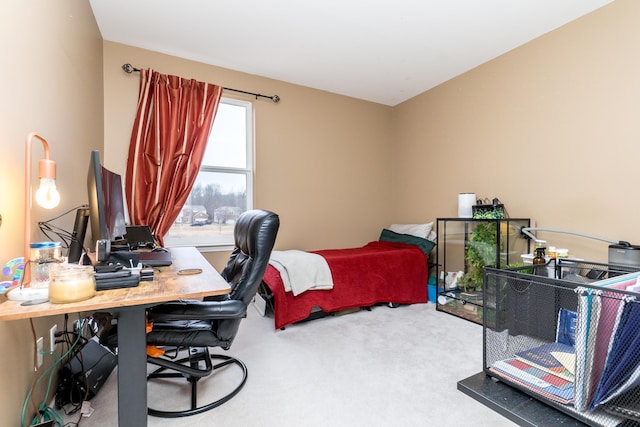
465	204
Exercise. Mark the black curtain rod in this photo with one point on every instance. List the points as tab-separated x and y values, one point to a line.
128	68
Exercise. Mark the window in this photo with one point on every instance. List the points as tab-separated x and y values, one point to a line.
223	189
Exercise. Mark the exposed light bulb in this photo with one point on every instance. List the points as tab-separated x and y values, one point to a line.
47	195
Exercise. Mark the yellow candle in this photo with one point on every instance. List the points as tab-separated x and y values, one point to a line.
70	283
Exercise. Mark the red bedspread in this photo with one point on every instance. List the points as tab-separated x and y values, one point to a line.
377	272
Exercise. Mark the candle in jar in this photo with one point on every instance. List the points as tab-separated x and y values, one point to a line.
71	283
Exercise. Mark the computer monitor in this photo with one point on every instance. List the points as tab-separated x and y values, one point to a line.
106	204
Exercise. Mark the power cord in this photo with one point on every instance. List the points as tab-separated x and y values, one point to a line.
64	236
74	340
43	412
86	329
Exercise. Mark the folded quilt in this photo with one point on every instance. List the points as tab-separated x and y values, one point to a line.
302	271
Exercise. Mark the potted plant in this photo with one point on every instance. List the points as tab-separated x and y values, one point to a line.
480	251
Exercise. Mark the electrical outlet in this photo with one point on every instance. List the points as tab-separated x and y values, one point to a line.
39	350
52	338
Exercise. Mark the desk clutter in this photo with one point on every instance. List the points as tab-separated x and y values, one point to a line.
116	280
89	365
117	276
130	306
48	276
157	257
65	283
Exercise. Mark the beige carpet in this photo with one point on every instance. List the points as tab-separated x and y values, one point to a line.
385	367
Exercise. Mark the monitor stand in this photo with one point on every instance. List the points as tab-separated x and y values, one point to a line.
76	247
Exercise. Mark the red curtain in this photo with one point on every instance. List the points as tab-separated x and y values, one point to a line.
168	140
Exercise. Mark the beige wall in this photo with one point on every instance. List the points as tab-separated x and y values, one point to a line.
550	128
322	160
51	77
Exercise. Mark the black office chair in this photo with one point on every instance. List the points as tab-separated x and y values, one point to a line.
196	325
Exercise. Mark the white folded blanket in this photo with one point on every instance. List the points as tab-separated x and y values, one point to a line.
302	271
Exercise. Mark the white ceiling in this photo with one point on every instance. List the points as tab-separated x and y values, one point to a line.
385	51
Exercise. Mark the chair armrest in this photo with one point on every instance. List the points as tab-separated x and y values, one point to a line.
198	310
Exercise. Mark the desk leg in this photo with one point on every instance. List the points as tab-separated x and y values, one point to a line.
132	367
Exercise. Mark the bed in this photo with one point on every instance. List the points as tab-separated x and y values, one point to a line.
393	269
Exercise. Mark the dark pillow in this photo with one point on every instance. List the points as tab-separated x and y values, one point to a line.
391	236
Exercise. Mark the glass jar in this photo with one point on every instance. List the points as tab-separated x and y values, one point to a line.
42	255
71	283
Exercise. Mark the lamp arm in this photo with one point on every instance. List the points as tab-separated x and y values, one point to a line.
527	232
47	169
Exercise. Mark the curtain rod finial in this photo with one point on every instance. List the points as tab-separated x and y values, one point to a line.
275	98
128	68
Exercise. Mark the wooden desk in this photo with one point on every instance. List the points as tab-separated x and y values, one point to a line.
129	304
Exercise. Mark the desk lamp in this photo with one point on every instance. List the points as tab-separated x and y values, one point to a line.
48	197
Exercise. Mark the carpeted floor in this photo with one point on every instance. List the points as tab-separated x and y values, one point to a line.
384	367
